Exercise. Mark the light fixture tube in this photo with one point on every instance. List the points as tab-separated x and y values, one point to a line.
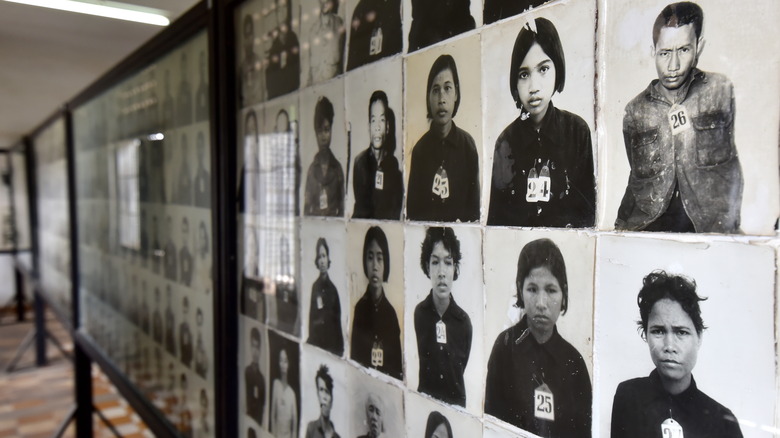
100	10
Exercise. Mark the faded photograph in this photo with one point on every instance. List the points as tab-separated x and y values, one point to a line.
376	331
436	20
539	368
444	163
374	31
543	167
690	136
444	313
666	312
324	34
324	148
374	114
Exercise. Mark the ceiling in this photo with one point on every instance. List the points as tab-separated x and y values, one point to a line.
47	57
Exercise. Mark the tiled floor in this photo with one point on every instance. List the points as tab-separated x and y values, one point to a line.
35	401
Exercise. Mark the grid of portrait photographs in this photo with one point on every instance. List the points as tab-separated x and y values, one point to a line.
143	171
444	245
53	230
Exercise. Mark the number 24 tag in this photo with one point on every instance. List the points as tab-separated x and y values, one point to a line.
671	429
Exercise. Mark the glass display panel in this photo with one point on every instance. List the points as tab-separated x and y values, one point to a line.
143	174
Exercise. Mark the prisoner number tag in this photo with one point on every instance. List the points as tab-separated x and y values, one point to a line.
379	180
319	303
441	332
255	391
544	405
377	356
678	119
671	429
283	61
323	199
376	42
441	184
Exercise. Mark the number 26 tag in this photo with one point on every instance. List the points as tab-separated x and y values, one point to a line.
544	404
679	120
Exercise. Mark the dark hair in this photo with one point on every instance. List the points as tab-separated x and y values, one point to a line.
323	110
248	24
447	237
547	37
443	62
435	419
254	334
377	235
284	111
542	253
321	242
251	115
658	285
322	373
678	15
380	96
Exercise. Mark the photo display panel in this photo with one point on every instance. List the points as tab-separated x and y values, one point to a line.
428	194
53	232
143	176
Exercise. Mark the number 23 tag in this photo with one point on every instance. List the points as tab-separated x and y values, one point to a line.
678	119
671	429
544	404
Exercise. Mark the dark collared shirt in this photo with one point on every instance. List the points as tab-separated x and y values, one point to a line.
562	146
255	392
642	404
700	160
325	316
433	158
442	364
519	365
315	430
376	326
371	201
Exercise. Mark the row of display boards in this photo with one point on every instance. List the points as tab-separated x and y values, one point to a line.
265	222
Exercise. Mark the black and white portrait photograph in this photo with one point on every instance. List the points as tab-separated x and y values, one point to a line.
444	311
427	22
323	40
377	407
699	122
538	68
202	171
495	10
538	341
184	107
327	402
375	263
426	418
283	59
249	54
374	31
375	119
249	195
443	152
254	389
323	150
277	212
284	397
672	345
324	283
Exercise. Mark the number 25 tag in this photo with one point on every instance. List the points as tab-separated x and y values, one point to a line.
671	429
544	405
679	120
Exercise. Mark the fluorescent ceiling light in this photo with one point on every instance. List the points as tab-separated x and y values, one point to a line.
108	9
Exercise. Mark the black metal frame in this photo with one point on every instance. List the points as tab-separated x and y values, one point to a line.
217	17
